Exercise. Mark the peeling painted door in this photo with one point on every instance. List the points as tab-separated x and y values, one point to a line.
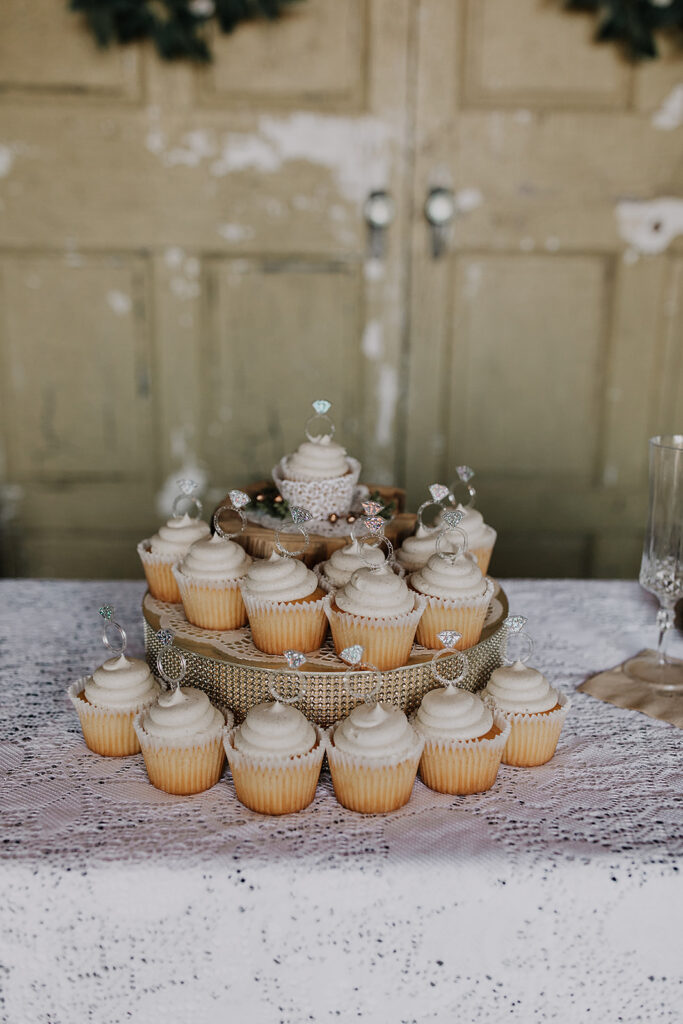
184	265
547	343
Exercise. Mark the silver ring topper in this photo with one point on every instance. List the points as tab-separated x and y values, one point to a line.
373	524
450	638
117	649
238	499
520	640
187	496
353	656
465	474
295	659
321	408
450	524
165	638
438	494
300	516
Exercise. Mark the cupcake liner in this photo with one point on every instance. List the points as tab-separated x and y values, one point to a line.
181	769
320	497
271	785
387	642
362	784
483	553
533	736
278	626
159	573
106	731
465	615
211	604
460	767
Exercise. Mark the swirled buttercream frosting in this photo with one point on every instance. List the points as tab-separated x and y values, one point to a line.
375	593
321	459
479	533
342	563
279	579
274	730
520	688
441	577
448	713
122	684
176	536
416	550
215	559
375	731
182	716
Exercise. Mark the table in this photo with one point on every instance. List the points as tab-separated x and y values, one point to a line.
555	896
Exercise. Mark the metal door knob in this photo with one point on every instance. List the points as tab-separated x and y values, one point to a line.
379	211
439	210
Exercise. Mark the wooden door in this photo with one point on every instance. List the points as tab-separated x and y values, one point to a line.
184	266
547	345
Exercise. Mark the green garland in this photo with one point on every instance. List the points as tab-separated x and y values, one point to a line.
633	23
175	26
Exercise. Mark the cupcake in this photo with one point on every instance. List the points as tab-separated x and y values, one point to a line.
464	741
319	475
342	563
456	595
108	700
376	610
373	757
416	550
480	536
534	710
159	553
208	580
275	757
181	737
284	605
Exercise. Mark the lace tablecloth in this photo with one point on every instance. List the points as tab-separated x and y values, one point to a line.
556	896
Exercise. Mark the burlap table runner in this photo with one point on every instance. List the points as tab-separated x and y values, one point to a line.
615	687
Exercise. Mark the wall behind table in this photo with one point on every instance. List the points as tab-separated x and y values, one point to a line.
184	265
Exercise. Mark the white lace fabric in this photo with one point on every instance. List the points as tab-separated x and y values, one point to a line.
554	896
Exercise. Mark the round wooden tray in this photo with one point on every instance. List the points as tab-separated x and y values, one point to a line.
234	673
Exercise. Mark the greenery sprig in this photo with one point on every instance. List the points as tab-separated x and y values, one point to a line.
633	24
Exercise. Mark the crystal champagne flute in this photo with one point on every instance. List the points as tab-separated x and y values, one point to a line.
661	570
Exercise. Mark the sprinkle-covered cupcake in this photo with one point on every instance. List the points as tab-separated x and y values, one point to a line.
342	563
284	605
376	610
457	596
108	700
160	552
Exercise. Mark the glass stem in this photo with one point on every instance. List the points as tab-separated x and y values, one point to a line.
665	620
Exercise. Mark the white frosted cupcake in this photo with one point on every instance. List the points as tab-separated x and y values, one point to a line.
457	598
376	610
319	476
373	757
284	605
108	701
208	579
342	563
181	737
534	710
416	550
480	536
275	757
464	741
159	554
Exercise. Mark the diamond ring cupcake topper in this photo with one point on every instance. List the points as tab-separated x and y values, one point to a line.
321	407
372	524
353	656
458	660
519	645
437	494
165	638
294	659
188	499
119	641
465	474
299	516
450	525
238	499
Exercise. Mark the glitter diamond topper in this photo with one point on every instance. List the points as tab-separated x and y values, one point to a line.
371	508
239	499
438	491
295	659
107	611
449	637
451	517
165	637
187	486
321	406
374	523
352	655
465	473
515	623
300	515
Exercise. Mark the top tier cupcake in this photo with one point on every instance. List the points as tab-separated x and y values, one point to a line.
319	475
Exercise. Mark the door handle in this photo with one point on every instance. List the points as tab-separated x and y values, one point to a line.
379	211
439	211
